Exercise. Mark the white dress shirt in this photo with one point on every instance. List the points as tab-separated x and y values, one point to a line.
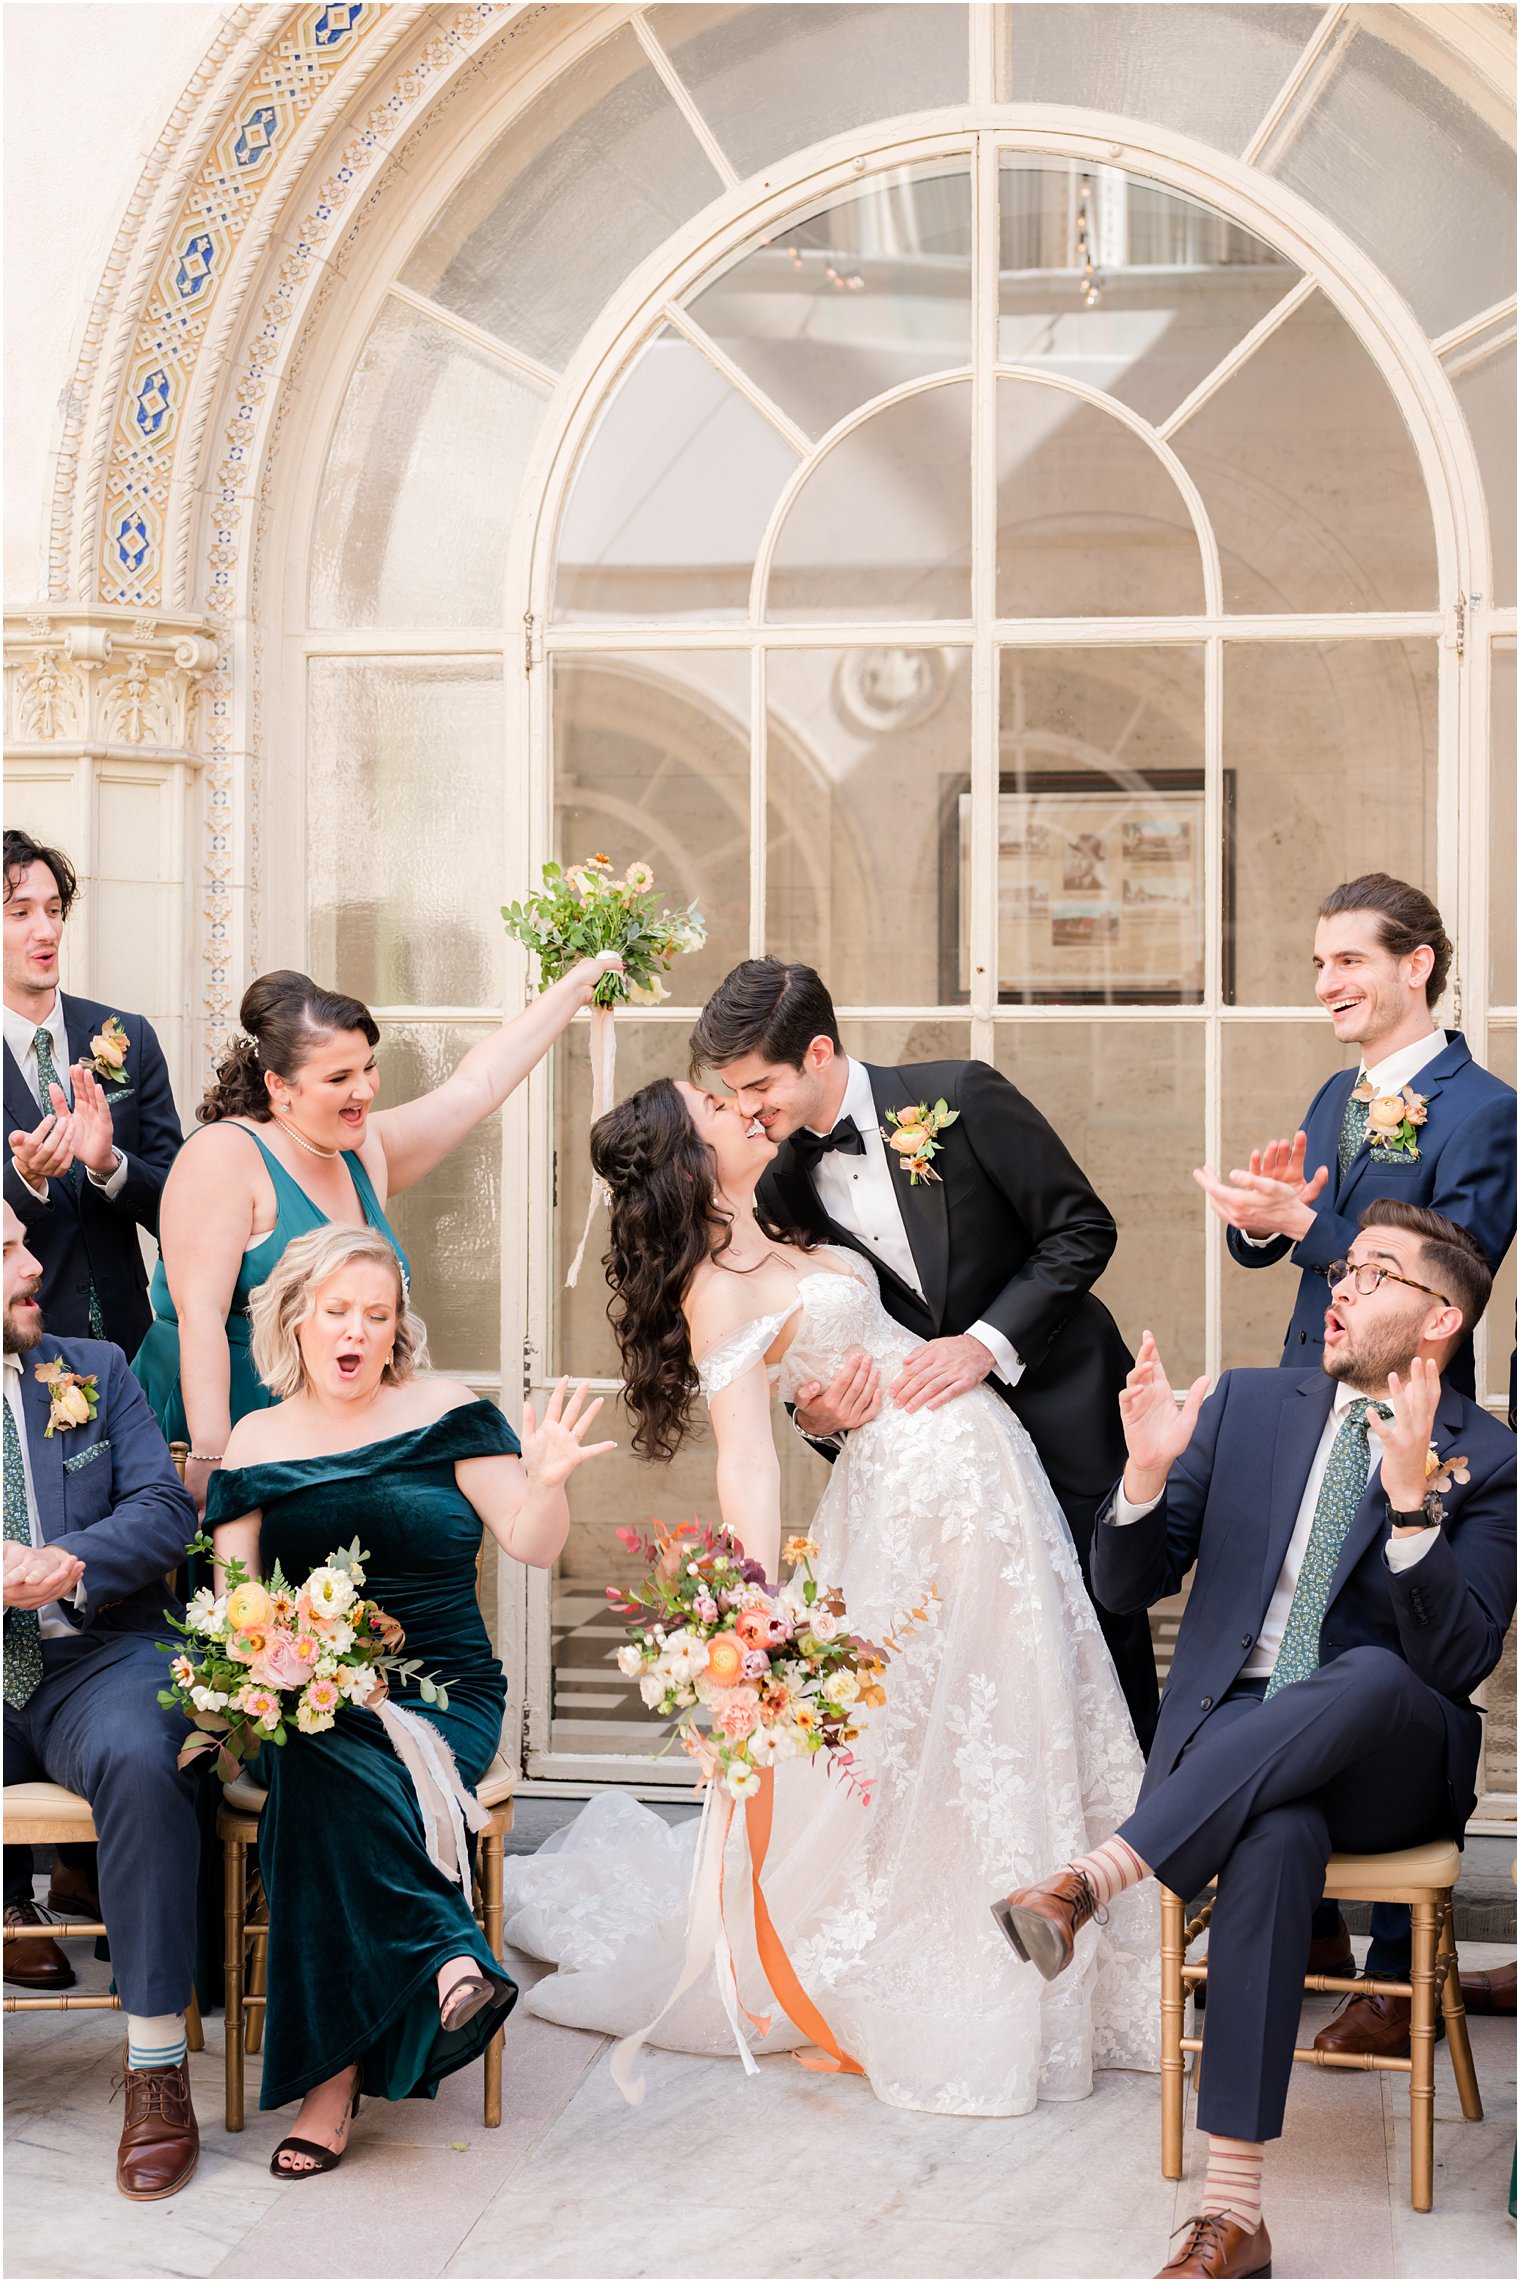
1390	1076
1400	1552
51	1621
861	1194
21	1037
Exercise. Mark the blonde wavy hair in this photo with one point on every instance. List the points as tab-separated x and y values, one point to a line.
279	1306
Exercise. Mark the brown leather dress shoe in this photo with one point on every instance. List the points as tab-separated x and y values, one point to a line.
1490	1992
1366	2023
160	2139
1214	2244
1043	1921
73	1895
1332	1953
33	1963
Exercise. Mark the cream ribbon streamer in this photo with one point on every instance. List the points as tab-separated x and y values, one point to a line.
706	1944
447	1806
603	1073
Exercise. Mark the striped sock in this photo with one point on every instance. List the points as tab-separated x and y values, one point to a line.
1232	2183
155	2040
1110	1869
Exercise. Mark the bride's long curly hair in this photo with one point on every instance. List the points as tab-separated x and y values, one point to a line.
666	1220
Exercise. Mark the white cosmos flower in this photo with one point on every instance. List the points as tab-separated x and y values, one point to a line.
762	1747
741	1782
630	1660
200	1614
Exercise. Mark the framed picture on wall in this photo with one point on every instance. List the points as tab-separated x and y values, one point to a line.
1101	888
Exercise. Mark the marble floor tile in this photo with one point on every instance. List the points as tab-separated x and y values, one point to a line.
61	2221
390	2209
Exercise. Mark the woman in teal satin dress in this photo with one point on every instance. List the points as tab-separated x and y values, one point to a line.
294	1142
379	1980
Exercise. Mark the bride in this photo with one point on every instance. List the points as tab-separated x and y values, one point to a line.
1004	1743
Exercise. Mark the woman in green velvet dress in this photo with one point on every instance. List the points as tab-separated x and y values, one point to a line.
379	1979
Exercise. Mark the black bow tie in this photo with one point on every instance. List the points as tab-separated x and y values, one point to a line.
846	1135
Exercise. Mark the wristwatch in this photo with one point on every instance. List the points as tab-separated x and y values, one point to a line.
1419	1519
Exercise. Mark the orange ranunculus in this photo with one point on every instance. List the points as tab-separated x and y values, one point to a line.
725	1660
908	1140
1386	1113
110	1047
249	1607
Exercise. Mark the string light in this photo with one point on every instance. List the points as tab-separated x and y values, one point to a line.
1092	277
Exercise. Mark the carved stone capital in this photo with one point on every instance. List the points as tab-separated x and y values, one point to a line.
100	680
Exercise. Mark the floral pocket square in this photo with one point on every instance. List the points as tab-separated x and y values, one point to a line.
86	1457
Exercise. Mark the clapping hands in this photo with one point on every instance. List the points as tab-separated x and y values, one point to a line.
37	1574
1272	1196
83	1132
1156	1431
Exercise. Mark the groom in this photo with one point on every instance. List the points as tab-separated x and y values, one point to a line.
990	1257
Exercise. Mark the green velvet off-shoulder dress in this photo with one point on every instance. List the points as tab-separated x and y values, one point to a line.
360	1918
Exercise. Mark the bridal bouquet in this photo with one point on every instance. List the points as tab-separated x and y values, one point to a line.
779	1675
258	1655
589	909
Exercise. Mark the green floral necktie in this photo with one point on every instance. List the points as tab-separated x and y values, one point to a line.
23	1633
1340	1493
1353	1128
47	1077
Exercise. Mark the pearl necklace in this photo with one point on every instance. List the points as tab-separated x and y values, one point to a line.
297	1135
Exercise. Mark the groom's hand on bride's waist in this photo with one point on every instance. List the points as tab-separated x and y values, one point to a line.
852	1398
940	1370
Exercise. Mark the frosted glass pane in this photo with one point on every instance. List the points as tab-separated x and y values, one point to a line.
1501	830
772	79
1210	71
404	828
1090	523
1310	479
591	177
882	527
1413	177
1331	749
450	1223
1486	393
1172	287
1086	1078
853	299
1101	857
672	496
1272	1071
864	748
651	762
416	503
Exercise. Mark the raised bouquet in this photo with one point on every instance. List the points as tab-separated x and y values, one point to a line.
588	909
257	1656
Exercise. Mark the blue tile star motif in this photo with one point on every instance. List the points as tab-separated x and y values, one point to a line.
194	266
152	406
336	22
257	137
132	541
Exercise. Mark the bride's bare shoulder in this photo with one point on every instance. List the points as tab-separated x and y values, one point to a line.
719	1301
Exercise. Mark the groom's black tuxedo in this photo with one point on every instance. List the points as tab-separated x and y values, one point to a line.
1014	1235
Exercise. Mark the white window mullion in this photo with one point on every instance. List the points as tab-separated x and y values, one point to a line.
985	745
1213	988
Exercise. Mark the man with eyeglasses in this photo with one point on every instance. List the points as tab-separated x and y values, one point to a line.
1347	1603
1420	1120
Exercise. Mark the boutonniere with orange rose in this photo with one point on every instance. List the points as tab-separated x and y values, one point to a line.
108	1051
1393	1122
75	1398
751	1674
915	1142
1440	1473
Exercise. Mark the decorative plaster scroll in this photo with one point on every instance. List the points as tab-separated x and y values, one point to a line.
100	682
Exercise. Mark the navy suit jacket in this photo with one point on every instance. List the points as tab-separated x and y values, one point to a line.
1229	1506
81	1236
1465	1168
107	1492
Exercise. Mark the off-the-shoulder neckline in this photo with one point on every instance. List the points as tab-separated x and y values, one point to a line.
381	1442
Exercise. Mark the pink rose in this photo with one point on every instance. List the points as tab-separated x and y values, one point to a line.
283	1663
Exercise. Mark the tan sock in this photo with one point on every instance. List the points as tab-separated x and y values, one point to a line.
1110	1868
1232	2183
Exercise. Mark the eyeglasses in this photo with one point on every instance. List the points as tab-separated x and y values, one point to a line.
1366	1277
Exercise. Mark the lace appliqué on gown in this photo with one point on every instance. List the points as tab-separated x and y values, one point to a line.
1004	1748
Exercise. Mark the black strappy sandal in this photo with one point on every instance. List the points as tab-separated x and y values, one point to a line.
466	1997
322	2158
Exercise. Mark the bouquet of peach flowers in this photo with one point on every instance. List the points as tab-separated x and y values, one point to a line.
255	1655
777	1673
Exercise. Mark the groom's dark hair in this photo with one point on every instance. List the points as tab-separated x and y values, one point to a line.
771	1007
1406	918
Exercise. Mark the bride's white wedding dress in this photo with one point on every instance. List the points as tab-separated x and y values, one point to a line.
1004	1748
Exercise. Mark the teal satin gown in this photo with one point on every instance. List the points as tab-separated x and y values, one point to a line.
360	1918
156	1362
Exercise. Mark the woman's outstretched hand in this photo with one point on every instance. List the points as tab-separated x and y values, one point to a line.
551	1452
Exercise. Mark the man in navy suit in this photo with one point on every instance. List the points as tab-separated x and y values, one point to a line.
1381	958
94	1516
1342	1614
89	1113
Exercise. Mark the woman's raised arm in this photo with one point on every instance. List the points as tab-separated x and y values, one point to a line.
522	1500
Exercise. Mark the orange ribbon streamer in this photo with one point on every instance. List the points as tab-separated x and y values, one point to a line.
793	1999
